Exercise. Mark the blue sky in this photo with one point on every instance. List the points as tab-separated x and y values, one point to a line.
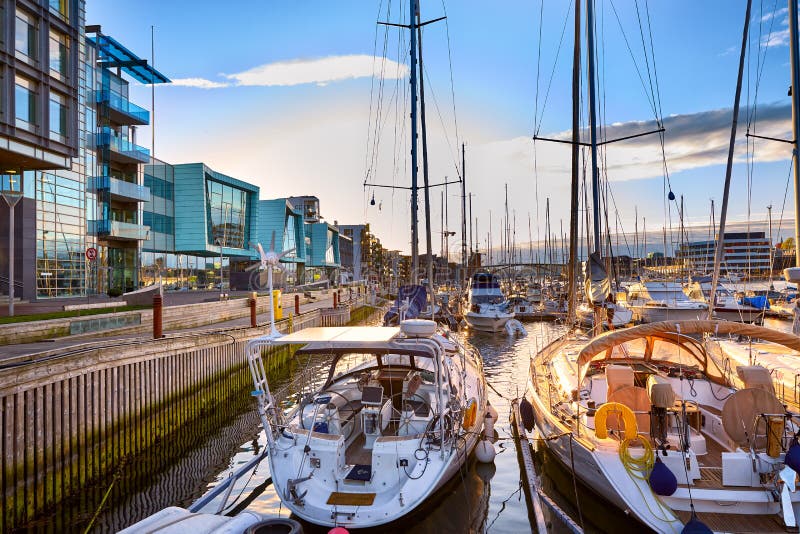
278	93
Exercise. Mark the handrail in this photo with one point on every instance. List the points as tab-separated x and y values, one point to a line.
4	279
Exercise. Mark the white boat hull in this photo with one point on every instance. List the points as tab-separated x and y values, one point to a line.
488	322
654	314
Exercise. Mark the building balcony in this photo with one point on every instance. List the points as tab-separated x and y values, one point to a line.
121	110
120	149
118	230
119	189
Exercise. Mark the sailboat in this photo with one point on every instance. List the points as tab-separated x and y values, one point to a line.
646	417
394	419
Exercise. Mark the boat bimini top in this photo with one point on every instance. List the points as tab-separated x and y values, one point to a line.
609	346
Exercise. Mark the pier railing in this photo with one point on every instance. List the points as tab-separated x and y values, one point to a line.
70	418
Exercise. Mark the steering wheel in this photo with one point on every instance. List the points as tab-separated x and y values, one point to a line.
398	413
348	403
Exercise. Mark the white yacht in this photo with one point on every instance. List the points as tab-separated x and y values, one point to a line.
646	418
488	309
397	415
659	300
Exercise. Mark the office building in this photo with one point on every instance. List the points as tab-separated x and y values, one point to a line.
40	124
743	252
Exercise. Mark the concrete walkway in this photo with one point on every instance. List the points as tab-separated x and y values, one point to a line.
26	349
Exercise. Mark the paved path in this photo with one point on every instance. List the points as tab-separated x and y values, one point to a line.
9	351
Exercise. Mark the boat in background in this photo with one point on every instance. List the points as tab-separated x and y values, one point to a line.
488	309
728	305
652	301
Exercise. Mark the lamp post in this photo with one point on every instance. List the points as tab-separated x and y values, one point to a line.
11	191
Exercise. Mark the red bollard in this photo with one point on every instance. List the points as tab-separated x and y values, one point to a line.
335	299
253	312
297	304
158	306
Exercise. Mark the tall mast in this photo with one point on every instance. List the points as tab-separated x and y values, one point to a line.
593	124
464	214
728	170
794	54
425	158
414	187
573	212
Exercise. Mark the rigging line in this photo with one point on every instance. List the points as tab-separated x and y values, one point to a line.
653	55
441	120
646	60
452	85
371	92
538	65
633	58
785	196
538	127
379	111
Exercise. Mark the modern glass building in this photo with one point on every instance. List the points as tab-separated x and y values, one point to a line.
279	218
115	162
41	97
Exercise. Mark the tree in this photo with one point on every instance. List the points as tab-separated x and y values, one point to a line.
788	244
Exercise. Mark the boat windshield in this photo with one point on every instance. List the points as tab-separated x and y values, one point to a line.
487	299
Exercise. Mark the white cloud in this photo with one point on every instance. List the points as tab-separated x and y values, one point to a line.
777	13
320	71
200	83
776	38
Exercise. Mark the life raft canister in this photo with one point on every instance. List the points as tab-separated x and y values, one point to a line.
470	414
628	419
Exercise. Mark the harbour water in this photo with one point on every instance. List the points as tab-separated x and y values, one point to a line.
484	498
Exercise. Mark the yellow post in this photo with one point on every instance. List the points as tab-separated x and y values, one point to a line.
277	305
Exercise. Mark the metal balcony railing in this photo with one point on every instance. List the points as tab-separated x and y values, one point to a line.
118	230
119	189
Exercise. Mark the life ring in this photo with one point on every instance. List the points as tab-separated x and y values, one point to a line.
470	414
628	419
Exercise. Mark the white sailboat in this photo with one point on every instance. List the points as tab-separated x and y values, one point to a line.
397	415
489	310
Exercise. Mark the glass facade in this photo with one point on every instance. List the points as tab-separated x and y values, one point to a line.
159	212
25	103
182	271
226	213
60	234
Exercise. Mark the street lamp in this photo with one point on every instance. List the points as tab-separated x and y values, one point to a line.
11	191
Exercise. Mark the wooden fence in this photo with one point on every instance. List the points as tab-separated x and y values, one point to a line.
68	420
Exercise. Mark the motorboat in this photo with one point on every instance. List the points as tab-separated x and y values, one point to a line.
488	309
728	306
652	301
396	417
628	403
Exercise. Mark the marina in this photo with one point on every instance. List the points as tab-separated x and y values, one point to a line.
279	348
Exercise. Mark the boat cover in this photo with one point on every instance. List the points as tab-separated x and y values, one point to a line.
598	286
669	330
417	297
758	301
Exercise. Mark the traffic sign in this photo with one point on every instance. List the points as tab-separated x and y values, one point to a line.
91	253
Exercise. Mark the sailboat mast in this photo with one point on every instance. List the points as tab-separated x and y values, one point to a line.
464	214
576	134
428	236
593	123
414	187
729	168
794	52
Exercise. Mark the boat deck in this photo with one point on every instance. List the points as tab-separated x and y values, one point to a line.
737	522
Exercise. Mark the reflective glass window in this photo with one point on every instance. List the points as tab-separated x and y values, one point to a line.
58	53
58	116
25	103
25	36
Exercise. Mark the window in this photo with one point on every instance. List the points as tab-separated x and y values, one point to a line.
25	103
58	53
59	7
25	39
58	117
